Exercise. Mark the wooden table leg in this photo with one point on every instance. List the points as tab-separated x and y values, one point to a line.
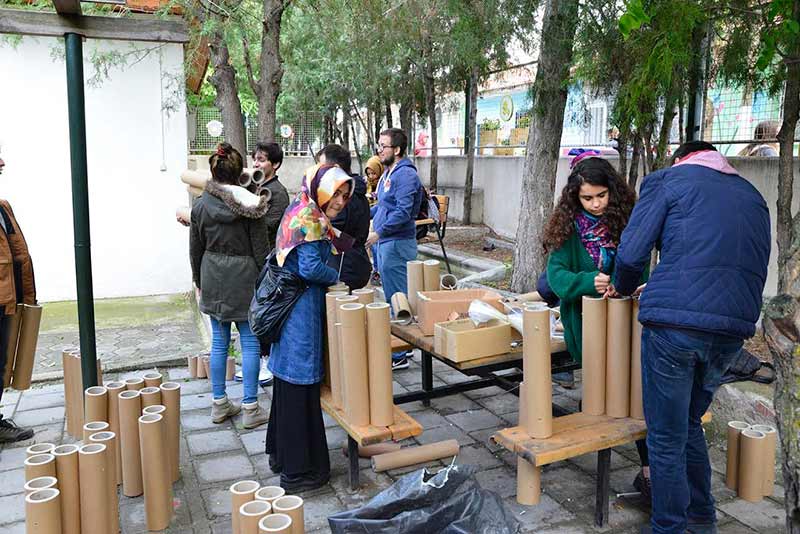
603	479
427	375
352	453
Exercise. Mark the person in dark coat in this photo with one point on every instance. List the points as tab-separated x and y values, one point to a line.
268	158
296	442
702	301
228	247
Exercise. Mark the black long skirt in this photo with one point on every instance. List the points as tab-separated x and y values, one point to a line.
296	439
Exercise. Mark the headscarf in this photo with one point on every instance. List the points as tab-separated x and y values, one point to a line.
596	239
375	164
580	154
304	221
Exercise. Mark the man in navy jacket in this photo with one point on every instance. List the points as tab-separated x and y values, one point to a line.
702	300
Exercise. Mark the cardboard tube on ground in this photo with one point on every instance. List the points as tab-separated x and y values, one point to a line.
618	358
291	505
96	404
71	406
156	477
43	512
354	362
39	448
68	475
171	397
637	407
333	365
26	346
40	483
160	409
151	396
365	295
109	439
368	451
275	524
536	369
529	482
340	287
448	282
114	389
207	366
192	364
525	411
250	513
338	301
241	492
94	487
130	407
379	342
751	465
93	427
269	493
40	465
732	461
595	312
415	455
230	369
11	352
201	369
415	278
134	384
152	379
771	438
197	179
401	308
430	275
156	409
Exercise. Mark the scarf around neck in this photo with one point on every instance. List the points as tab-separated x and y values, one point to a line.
596	239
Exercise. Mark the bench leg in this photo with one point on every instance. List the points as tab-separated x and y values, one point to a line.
352	453
427	375
438	228
601	496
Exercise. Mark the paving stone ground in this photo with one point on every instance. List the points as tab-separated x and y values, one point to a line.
215	456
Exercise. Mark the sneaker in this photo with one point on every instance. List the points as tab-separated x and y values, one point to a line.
566	379
642	485
400	363
273	465
223	408
10	433
265	376
253	415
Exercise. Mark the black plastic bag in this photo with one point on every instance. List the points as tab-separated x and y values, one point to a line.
748	368
277	290
449	502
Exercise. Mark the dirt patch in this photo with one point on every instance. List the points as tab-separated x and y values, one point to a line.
475	248
758	346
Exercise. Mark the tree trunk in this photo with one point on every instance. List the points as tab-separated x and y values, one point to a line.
696	80
389	121
648	150
271	68
346	130
633	175
663	133
541	159
227	98
622	146
376	114
471	98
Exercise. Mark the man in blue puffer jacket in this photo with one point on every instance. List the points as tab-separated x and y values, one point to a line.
702	301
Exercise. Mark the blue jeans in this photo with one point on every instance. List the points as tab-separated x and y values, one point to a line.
681	371
251	358
392	258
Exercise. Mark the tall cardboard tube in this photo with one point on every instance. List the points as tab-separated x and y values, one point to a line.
40	483
618	358
379	341
191	362
160	409
114	389
529	482
339	287
40	465
751	465
93	427
275	524
69	486
415	278
11	351
292	505
637	406
338	301
194	191
39	448
333	365
156	477
109	439
448	282
94	488
256	176
526	420
269	493
207	366
43	512
771	442
241	492
415	455
134	384
354	363
430	275
130	407
150	396
732	462
365	295
250	513
401	308
595	312
152	379
96	401
155	409
536	369
171	397
197	179
230	369
26	346
71	404
368	451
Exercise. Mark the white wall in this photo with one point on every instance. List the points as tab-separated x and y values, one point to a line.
137	247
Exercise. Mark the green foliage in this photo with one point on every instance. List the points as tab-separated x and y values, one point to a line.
489	125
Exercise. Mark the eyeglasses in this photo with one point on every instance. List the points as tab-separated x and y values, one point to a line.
380	146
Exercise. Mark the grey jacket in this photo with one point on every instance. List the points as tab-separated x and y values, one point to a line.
279	201
228	248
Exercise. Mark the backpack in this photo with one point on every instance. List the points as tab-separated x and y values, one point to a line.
428	209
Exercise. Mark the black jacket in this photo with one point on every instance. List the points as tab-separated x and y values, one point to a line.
353	220
278	203
228	248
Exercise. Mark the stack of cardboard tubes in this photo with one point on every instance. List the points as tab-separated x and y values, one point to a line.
263	510
750	469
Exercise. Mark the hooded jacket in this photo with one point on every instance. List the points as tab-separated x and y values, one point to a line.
228	247
399	199
278	202
353	220
17	284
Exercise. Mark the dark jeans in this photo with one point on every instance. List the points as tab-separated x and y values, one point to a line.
5	331
681	371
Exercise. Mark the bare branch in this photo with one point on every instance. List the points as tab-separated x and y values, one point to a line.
251	79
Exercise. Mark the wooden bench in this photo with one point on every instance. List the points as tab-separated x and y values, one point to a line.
404	427
399	345
575	435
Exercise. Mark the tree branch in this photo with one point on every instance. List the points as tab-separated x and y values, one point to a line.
251	79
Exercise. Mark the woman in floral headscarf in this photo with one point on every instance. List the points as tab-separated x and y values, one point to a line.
296	441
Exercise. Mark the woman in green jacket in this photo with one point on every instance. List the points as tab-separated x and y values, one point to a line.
581	238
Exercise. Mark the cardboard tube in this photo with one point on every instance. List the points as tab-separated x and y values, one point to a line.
152	379
43	512
197	179
130	407
339	287
338	301
150	396
92	427
354	363
192	363
618	358
415	455
771	442
256	176
430	275
292	505
525	411
96	404
365	295
275	524
230	369
241	492
368	451
40	465
40	483
333	365
26	346
401	308
94	488
70	406
201	369
751	465
637	407
39	448
379	342
448	282
732	462
415	278
194	191
529	482
245	180
207	366
595	312
109	439
13	338
171	397
134	384
68	474
250	513
536	369
156	477
269	493
160	409
114	389
155	409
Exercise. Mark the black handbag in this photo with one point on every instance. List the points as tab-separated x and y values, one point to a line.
277	291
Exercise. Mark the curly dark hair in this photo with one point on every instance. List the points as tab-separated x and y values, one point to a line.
594	171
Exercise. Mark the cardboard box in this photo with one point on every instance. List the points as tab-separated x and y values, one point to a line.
436	306
461	340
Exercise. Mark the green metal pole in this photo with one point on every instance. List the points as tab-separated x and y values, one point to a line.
80	207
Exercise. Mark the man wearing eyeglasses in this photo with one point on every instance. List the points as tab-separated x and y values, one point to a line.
393	228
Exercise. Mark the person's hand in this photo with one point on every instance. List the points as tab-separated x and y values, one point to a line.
601	282
639	290
372	238
611	292
182	220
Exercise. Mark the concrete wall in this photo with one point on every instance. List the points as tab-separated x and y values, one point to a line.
137	247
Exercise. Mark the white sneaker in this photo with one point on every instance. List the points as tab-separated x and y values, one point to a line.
265	376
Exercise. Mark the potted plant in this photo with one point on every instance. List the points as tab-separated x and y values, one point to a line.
488	134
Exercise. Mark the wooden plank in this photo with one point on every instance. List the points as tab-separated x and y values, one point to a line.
67	7
129	28
399	344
